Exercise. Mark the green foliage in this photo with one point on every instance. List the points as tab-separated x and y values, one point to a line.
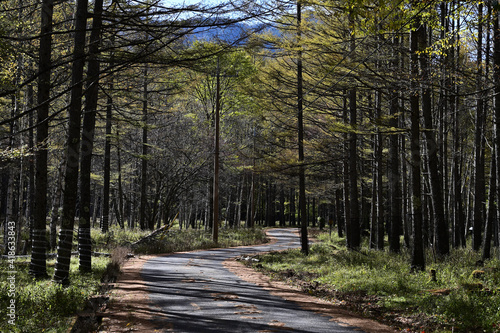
45	306
459	299
104	242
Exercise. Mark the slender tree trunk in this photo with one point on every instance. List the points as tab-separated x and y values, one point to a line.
479	144
436	186
354	207
380	187
373	213
144	161
87	145
418	256
459	219
61	274
38	265
302	173
107	164
346	166
496	80
30	207
396	219
120	185
480	183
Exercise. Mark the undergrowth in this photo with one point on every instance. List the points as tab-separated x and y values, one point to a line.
45	306
187	240
465	297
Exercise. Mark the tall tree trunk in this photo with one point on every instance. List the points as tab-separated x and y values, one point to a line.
144	160
104	221
300	123
61	274
107	163
119	180
479	144
496	80
30	207
380	187
373	212
38	265
354	207
436	186
87	145
418	256
395	186
345	166
459	217
492	215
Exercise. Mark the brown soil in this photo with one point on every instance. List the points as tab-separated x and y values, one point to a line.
129	308
307	302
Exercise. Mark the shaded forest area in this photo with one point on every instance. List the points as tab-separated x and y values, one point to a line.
378	117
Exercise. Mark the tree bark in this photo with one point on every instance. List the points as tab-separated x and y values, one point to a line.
144	161
61	274
496	80
479	144
354	208
395	186
38	265
436	186
300	120
418	256
87	145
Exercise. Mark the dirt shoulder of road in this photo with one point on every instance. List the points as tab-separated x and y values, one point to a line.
305	301
130	308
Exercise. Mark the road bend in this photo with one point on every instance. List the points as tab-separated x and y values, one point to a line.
196	293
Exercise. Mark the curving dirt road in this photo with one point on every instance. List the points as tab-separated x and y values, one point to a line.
197	292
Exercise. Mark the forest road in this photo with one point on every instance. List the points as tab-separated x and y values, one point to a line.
196	292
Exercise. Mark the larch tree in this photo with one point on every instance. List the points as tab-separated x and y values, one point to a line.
61	274
87	140
300	129
418	256
38	256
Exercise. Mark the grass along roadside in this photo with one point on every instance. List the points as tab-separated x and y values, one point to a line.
44	306
378	284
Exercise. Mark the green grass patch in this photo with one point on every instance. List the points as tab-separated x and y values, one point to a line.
45	306
116	236
188	240
379	284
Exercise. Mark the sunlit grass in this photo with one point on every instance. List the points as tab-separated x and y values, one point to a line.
45	306
455	301
187	240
